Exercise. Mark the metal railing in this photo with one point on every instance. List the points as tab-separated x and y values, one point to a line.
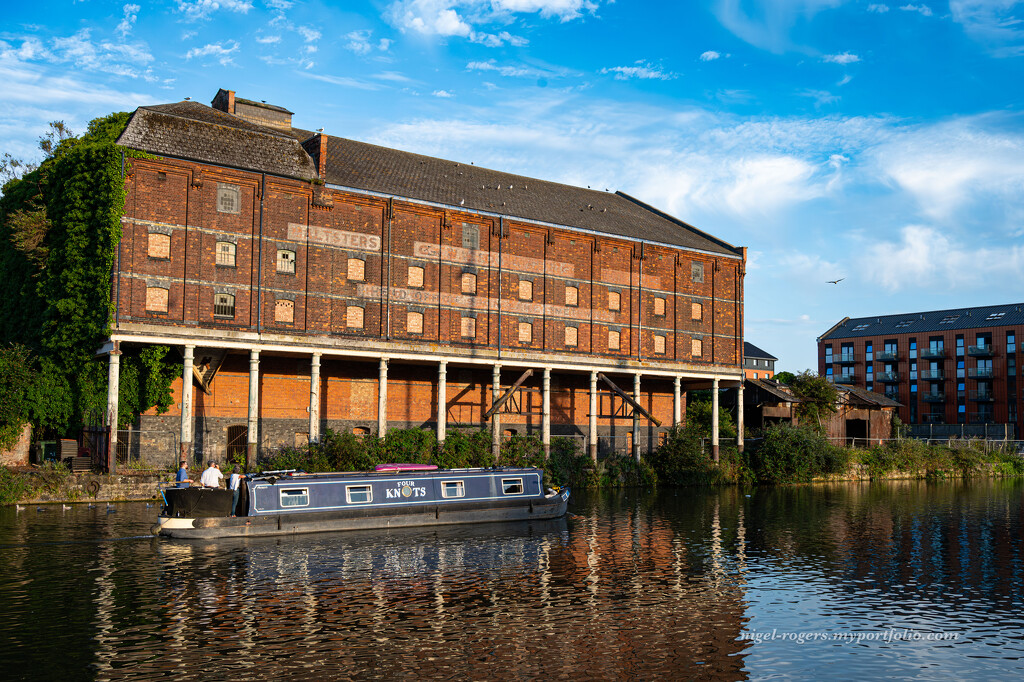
933	353
980	372
932	374
981	350
887	377
933	397
887	356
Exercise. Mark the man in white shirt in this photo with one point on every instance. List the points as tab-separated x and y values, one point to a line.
234	485
211	478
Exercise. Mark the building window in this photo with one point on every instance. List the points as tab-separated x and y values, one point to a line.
356	269
659	344
469	327
613	339
416	276
659	306
1011	342
354	317
470	237
469	283
525	332
696	311
414	322
525	290
228	198
696	272
156	299
223	305
285	261
284	311
614	300
159	246
868	351
572	336
226	254
696	348
572	296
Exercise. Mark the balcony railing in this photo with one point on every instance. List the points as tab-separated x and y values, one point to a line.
887	356
933	419
893	395
933	353
844	358
983	418
983	396
845	379
983	350
980	372
932	374
933	397
887	377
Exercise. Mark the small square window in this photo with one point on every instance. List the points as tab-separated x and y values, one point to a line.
614	300
659	306
525	290
156	299
356	269
572	336
696	348
415	276
696	272
226	254
659	344
572	296
284	311
414	322
696	311
469	283
223	305
285	261
512	486
294	497
525	332
469	327
354	317
228	198
358	494
453	489
613	340
159	246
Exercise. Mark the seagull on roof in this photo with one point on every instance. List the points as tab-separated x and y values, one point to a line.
835	281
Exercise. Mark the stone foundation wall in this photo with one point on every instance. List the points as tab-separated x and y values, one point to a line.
92	488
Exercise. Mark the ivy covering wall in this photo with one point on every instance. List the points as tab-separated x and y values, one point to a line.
60	226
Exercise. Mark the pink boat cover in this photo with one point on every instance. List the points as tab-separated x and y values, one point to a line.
406	467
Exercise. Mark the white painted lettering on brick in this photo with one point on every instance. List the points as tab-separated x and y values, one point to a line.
331	237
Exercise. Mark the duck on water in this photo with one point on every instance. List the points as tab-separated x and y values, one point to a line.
393	496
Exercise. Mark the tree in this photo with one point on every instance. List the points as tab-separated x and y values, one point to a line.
817	398
785	377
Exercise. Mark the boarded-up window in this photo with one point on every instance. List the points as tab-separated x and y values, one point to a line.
415	276
470	237
468	283
159	245
228	198
525	290
659	306
659	344
226	254
156	299
613	340
356	269
354	317
284	311
223	305
469	327
696	348
696	272
572	336
572	296
525	332
414	322
697	311
285	261
614	300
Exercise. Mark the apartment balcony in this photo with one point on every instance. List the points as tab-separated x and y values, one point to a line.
844	359
981	351
932	374
980	372
933	353
845	379
887	377
933	419
983	396
887	356
933	397
893	395
983	418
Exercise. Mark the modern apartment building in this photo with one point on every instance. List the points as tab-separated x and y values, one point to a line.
757	364
955	366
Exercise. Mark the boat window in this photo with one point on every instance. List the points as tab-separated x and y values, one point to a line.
294	497
453	489
358	493
512	486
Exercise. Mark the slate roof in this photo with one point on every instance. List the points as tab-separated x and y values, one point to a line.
982	317
854	394
857	395
195	131
752	351
773	388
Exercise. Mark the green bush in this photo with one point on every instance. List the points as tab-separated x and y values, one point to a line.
14	487
789	454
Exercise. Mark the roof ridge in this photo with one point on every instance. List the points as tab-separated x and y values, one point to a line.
263	130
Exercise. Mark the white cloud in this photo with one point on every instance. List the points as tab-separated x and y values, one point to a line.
767	24
444	94
641	69
82	52
221	52
268	40
878	9
497	40
343	81
508	71
465	18
131	15
844	58
709	56
360	42
195	10
310	35
923	10
995	23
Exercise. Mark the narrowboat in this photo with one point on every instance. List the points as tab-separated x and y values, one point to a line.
393	496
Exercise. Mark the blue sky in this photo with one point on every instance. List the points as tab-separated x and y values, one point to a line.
881	142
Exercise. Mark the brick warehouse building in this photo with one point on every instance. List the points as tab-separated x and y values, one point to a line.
954	367
311	281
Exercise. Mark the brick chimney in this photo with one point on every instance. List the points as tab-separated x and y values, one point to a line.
316	147
224	100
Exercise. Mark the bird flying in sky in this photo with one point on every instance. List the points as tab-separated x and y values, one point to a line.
836	281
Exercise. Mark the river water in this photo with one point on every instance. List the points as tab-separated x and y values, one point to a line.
907	580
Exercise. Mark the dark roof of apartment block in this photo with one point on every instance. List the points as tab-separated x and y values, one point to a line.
752	351
932	321
194	131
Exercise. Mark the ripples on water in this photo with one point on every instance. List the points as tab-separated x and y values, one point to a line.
774	582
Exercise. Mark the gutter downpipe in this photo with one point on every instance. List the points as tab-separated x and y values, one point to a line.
259	270
501	235
386	289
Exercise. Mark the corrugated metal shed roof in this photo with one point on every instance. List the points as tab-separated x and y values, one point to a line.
932	321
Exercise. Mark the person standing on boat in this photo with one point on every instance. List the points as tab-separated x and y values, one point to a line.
234	483
182	479
212	477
